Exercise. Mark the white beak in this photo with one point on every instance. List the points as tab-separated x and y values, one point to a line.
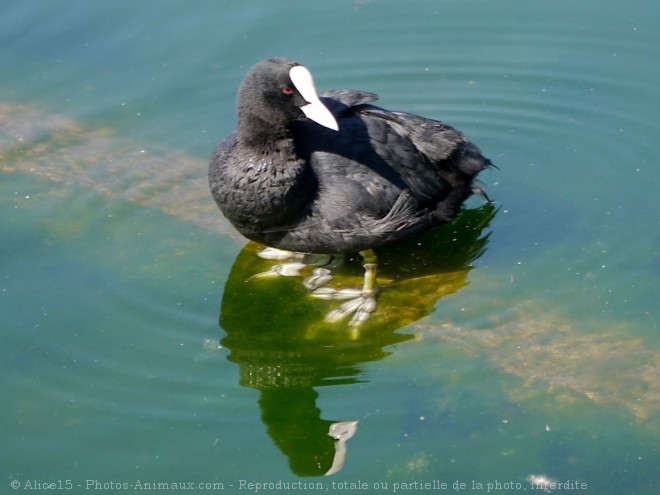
315	109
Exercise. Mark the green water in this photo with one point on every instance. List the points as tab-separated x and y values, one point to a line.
139	347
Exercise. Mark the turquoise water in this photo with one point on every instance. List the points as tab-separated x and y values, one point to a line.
138	347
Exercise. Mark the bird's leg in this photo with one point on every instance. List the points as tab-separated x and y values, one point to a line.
370	265
359	302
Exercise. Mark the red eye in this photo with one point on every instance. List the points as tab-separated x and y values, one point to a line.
287	90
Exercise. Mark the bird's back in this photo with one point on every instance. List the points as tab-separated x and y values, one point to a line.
385	175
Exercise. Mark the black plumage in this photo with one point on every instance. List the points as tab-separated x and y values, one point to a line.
285	181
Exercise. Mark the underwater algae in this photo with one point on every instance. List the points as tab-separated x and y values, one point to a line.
568	360
70	154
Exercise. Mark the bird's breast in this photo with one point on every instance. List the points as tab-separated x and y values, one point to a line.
265	191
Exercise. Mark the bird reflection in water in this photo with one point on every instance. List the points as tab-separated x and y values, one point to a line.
286	349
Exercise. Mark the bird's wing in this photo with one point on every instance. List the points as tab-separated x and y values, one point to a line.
434	139
346	98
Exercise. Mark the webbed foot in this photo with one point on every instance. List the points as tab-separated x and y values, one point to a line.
359	302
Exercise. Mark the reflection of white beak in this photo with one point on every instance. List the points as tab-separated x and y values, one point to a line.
341	431
315	109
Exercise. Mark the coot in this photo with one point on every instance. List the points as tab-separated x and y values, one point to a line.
332	173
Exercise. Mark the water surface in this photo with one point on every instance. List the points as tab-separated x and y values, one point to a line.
139	346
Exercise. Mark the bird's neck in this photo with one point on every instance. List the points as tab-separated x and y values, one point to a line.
257	133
